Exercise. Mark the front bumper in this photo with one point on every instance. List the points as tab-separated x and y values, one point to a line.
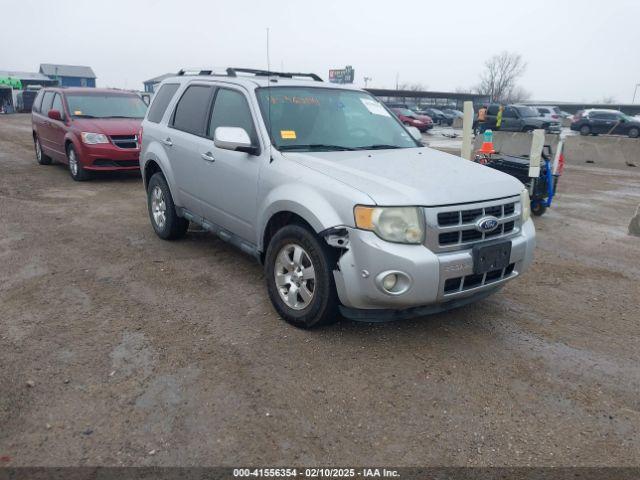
368	256
108	157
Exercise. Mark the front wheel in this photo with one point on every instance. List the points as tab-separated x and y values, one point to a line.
77	171
299	276
162	211
585	130
634	132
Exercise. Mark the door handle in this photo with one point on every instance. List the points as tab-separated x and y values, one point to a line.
167	141
208	157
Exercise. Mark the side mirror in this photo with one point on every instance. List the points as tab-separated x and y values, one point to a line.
233	138
415	133
55	115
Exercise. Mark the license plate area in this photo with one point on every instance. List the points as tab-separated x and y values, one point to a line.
491	257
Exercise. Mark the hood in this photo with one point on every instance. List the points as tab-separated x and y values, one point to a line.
109	126
411	176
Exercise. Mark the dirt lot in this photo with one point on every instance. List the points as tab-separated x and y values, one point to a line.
144	352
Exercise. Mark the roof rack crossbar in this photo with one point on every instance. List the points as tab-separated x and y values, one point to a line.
232	72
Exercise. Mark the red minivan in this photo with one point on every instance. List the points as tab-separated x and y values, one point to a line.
89	129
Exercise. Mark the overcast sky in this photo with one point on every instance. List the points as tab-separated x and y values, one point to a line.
576	50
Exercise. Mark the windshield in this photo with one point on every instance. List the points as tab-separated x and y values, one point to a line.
528	111
106	106
325	119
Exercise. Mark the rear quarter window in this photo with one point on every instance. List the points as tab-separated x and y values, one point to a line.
161	102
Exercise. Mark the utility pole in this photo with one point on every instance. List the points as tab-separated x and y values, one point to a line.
397	80
366	81
634	93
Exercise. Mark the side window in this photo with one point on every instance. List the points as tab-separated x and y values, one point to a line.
161	101
597	116
57	104
231	110
509	112
47	100
493	109
610	116
544	110
191	112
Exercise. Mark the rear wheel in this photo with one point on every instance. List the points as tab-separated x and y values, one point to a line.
299	276
41	158
634	132
77	171
585	130
162	211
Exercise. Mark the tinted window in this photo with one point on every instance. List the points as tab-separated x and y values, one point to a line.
232	110
509	113
161	101
37	103
46	102
57	104
191	112
528	111
493	109
544	110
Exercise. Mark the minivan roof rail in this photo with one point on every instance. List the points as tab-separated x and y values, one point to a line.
233	72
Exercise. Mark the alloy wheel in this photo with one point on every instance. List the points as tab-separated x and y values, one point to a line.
73	162
295	276
158	207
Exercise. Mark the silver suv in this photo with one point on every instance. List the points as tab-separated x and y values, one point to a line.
349	213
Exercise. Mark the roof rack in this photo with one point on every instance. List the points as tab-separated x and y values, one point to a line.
233	72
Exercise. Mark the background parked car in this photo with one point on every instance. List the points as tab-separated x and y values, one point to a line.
612	122
452	111
413	119
438	116
520	118
89	129
549	112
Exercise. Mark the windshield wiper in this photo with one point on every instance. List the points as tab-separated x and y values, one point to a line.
313	146
84	115
378	146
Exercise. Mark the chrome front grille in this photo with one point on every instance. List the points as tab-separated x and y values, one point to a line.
453	227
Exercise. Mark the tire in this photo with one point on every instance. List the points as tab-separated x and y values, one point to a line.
76	170
291	252
634	132
585	130
41	158
162	211
528	129
538	209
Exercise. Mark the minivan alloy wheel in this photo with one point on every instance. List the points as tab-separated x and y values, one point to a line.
295	276
38	151
158	206
73	162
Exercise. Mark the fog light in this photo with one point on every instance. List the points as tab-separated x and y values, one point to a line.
389	282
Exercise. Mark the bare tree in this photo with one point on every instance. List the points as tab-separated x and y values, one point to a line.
608	100
502	71
517	95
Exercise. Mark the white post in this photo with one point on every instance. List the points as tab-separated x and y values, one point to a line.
467	127
537	144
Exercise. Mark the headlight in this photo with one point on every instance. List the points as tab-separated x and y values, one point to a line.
93	138
394	224
525	201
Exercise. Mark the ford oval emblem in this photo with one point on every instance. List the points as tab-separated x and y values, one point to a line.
487	224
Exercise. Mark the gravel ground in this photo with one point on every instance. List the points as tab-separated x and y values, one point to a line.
117	348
